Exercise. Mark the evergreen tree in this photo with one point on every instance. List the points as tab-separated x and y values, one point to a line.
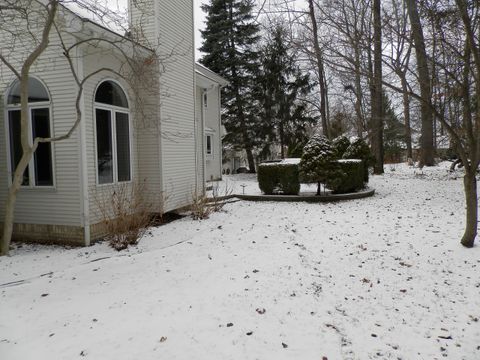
284	115
393	133
359	149
229	44
318	163
340	145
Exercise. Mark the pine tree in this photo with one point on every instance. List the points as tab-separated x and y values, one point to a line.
393	133
340	145
284	116
359	149
229	44
318	163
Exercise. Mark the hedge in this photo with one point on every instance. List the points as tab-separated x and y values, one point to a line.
276	178
359	149
352	178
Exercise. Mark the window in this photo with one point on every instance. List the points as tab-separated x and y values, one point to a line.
208	145
40	169
112	127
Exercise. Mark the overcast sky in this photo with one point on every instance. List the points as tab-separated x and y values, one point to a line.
199	24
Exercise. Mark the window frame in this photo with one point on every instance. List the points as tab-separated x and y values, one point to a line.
205	99
31	165
113	110
209	155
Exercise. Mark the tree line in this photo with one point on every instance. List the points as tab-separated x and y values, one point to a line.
402	74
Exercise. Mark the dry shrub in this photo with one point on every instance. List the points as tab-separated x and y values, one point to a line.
126	213
202	206
199	207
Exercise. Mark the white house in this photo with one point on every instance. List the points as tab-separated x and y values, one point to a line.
208	115
149	114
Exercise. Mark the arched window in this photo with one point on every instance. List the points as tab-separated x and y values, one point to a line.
40	169
112	125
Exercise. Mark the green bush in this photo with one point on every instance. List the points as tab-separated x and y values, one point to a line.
359	149
340	145
350	179
278	178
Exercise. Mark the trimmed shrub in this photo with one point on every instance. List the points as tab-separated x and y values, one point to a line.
317	160
340	145
359	149
350	179
278	177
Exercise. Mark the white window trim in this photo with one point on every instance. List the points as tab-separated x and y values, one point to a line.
31	164
211	155
205	99
113	110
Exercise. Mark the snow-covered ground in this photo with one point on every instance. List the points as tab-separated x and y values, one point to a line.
377	278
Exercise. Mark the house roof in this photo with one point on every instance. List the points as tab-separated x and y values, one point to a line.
95	27
209	74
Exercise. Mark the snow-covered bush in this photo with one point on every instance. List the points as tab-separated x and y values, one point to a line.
349	179
318	162
340	145
278	177
359	149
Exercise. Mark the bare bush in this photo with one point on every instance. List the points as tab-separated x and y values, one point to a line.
126	214
202	206
199	208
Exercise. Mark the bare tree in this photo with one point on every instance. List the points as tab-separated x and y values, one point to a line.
377	97
459	67
9	10
397	35
346	24
320	69
426	142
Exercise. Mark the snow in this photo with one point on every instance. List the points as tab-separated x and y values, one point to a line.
112	14
376	278
287	161
349	161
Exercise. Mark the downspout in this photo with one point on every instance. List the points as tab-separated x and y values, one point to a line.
195	135
194	74
204	156
163	191
85	201
220	141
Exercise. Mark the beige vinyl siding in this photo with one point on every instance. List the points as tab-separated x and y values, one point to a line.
199	133
144	137
213	168
60	205
175	28
168	27
143	22
93	60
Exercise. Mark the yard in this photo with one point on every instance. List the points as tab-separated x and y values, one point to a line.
377	278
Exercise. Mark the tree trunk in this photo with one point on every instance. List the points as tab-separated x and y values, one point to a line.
470	187
426	141
406	115
377	99
358	96
250	159
320	70
282	140
27	152
10	204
